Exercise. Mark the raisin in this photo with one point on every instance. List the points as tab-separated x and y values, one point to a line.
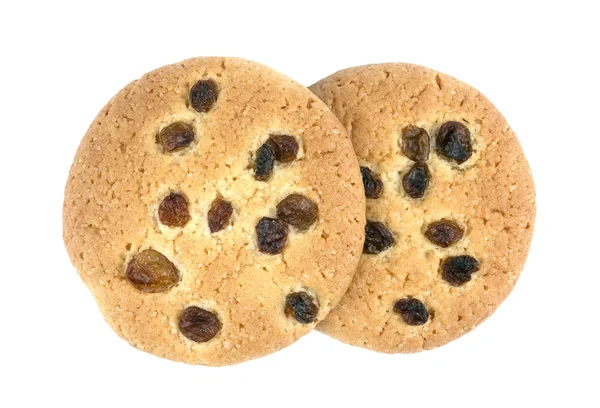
272	235
265	160
173	211
453	141
415	182
444	233
457	270
198	324
377	238
371	182
415	143
412	311
302	306
176	136
297	211
285	147
203	95
151	272
219	214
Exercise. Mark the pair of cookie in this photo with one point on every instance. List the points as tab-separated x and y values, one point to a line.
216	209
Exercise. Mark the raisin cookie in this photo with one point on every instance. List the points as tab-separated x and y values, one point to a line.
450	207
215	210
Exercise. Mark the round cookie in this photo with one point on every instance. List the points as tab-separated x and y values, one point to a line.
215	210
450	207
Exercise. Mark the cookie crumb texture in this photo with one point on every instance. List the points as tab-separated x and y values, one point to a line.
457	198
162	206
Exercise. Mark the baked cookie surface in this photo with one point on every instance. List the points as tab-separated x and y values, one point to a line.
450	207
215	210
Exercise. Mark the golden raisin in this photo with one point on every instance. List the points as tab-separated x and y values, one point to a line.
285	147
173	211
297	211
176	136
198	324
444	233
219	214
415	143
152	272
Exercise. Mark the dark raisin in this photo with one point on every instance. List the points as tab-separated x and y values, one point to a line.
457	270
219	214
302	306
272	235
298	211
377	238
203	95
151	272
173	211
176	136
453	141
285	147
265	160
412	311
372	183
198	324
444	233
415	182
415	143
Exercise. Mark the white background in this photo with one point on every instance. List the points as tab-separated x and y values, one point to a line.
537	62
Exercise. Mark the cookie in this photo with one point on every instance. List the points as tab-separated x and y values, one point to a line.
450	207
215	210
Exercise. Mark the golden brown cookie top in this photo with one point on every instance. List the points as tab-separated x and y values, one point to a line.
215	210
450	206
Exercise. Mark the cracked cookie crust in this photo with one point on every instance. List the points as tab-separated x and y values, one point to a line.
450	207
165	202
